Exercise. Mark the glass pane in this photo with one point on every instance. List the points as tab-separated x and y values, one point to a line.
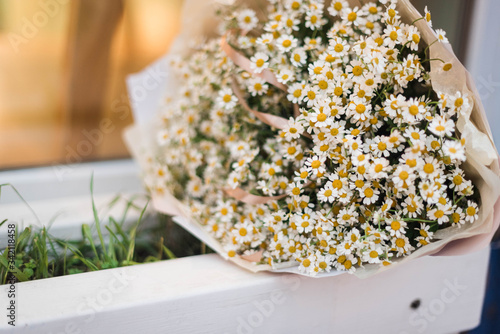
45	116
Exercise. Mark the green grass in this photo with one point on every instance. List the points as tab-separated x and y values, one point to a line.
104	243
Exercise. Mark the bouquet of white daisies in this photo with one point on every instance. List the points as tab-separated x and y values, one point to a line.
320	135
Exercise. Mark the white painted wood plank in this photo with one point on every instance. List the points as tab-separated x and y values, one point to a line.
61	181
205	294
63	192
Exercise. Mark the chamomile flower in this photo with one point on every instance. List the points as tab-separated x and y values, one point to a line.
293	130
314	19
286	43
471	212
441	126
257	86
247	20
427	16
440	214
259	62
396	228
441	34
454	150
402	245
226	99
316	164
337	7
298	57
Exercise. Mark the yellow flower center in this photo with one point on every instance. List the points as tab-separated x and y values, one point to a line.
395	225
357	70
428	168
337	184
400	242
413	110
403	175
457	179
439	214
321	117
360	108
471	211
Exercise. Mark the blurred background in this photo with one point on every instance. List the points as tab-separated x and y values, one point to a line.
62	70
63	65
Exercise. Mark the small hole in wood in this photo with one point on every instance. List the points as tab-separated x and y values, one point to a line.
415	304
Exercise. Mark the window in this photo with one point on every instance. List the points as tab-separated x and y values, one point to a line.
63	66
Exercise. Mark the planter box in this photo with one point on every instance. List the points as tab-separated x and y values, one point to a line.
206	294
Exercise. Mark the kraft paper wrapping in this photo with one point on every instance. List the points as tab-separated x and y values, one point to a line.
482	165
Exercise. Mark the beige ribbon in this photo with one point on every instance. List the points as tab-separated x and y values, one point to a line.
271	120
243	62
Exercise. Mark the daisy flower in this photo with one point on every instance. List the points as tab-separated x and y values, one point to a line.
396	228
314	20
439	214
471	212
293	130
286	43
337	7
296	92
403	176
298	57
259	62
402	245
226	99
257	86
285	75
441	34
440	126
327	194
454	150
427	16
247	20
315	165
